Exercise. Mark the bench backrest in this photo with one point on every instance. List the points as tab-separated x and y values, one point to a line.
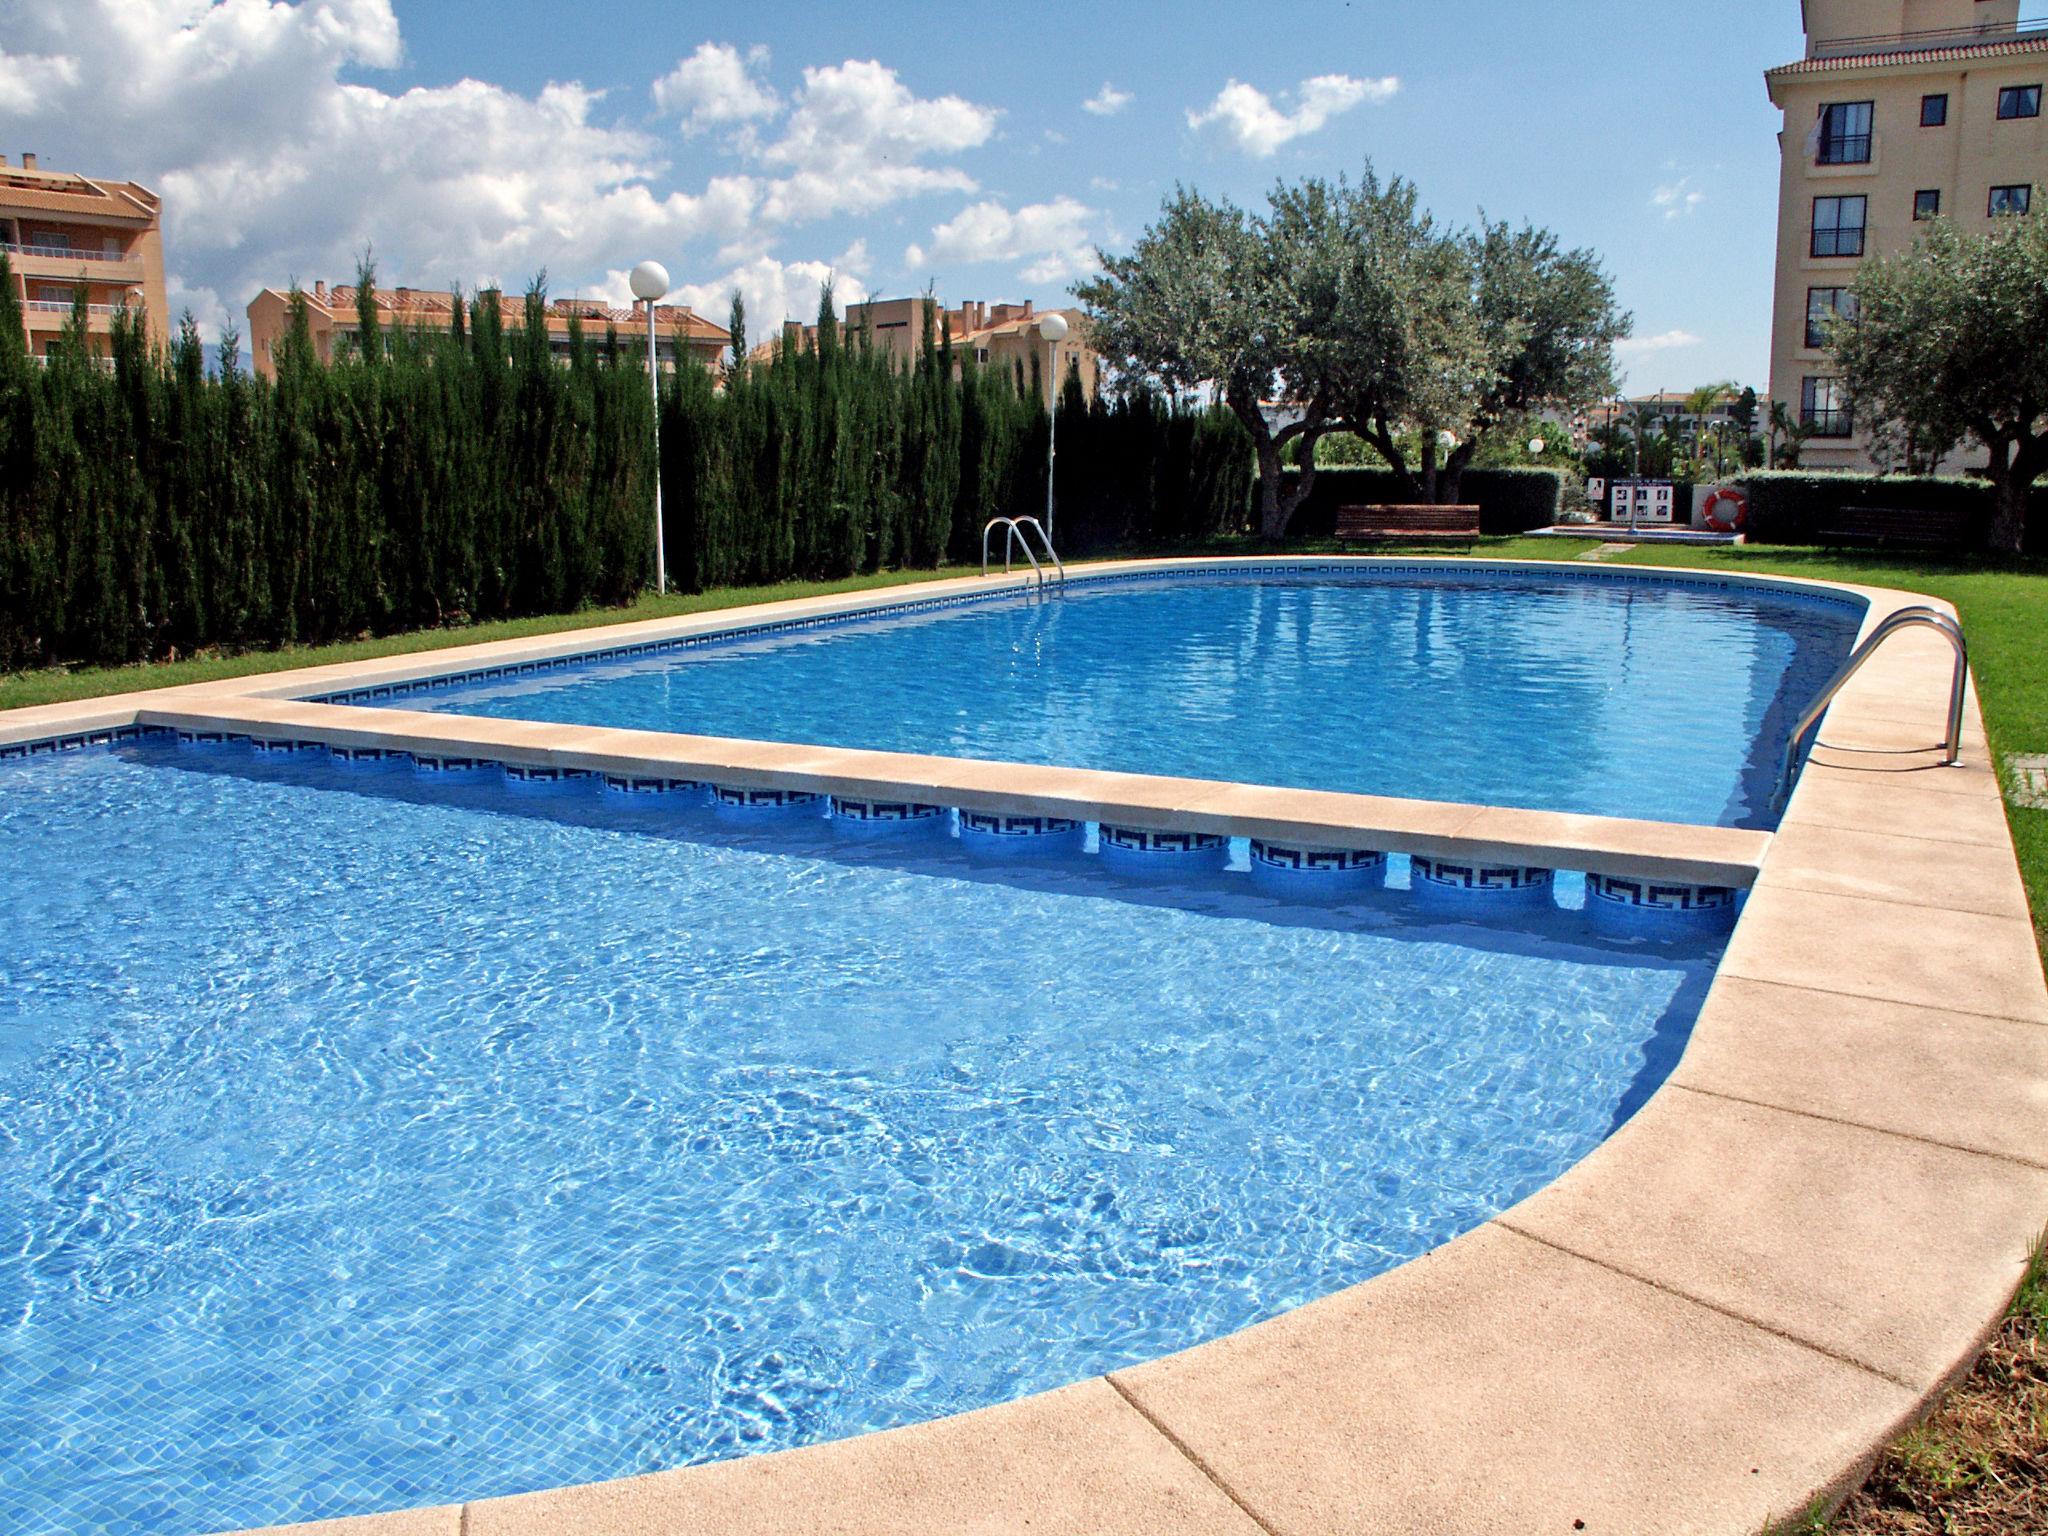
1932	522
1426	517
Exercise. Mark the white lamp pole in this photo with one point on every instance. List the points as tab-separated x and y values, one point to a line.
650	285
1053	327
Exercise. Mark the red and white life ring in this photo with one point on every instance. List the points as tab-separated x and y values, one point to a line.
1734	517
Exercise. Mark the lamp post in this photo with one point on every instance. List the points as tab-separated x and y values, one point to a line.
1053	327
650	285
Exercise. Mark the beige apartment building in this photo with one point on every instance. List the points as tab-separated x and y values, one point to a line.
1000	335
1901	111
332	318
65	234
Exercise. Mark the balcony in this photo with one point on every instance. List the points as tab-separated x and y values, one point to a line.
70	260
1923	42
52	314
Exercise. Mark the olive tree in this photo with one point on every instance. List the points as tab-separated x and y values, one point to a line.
1497	324
1950	340
1214	298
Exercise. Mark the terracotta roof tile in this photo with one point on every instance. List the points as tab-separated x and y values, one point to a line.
1939	55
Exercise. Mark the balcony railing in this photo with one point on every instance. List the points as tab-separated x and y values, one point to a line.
62	252
64	307
1920	42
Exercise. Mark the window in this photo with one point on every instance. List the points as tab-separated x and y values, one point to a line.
1927	205
1822	305
1838	225
1824	407
1845	133
2010	200
2019	101
1934	111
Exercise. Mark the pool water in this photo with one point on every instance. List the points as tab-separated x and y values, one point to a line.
369	1140
1622	697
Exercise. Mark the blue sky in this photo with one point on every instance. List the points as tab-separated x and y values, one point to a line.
897	144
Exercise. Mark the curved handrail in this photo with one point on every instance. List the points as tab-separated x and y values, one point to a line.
1017	527
1919	615
1010	538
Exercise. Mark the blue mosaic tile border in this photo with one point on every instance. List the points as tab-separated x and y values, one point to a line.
79	740
1377	570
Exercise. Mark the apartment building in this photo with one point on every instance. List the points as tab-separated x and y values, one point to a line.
997	335
1901	111
332	317
66	234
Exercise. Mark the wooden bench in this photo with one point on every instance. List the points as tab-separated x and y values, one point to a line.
1919	527
1408	522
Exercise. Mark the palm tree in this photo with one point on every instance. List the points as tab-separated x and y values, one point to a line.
1786	427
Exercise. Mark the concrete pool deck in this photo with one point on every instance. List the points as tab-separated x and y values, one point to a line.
1723	1312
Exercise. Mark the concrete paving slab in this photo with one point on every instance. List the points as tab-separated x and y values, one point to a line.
1965	877
1500	1386
1953	1078
1078	1461
1877	1248
1964	961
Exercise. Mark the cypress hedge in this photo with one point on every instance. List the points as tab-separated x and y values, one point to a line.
150	509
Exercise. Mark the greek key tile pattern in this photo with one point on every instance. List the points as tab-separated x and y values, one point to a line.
1315	860
619	785
1448	874
1141	840
985	824
1658	896
884	811
519	773
360	754
760	799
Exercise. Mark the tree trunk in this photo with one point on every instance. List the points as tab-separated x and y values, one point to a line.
2008	513
1273	514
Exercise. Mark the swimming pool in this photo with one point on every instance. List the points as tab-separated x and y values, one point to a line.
370	1140
1622	695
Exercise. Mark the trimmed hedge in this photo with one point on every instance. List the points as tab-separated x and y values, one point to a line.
1509	500
1790	506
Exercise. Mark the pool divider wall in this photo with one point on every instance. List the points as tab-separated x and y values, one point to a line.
1290	870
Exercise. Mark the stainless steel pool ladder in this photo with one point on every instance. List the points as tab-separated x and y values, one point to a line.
1918	616
1015	538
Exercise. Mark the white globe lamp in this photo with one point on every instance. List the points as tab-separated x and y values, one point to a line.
649	282
1536	447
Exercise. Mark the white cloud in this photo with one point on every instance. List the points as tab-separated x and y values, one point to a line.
1102	183
776	290
1246	115
1664	341
1050	238
716	86
1677	199
1107	102
856	140
27	79
276	164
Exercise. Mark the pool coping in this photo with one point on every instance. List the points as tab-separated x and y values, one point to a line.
1722	1313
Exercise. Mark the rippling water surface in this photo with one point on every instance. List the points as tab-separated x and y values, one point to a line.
370	1141
1624	698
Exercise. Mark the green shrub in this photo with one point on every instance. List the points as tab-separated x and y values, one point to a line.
1509	500
1791	506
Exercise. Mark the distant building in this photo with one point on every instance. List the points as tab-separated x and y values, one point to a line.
994	335
65	234
332	319
1901	111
